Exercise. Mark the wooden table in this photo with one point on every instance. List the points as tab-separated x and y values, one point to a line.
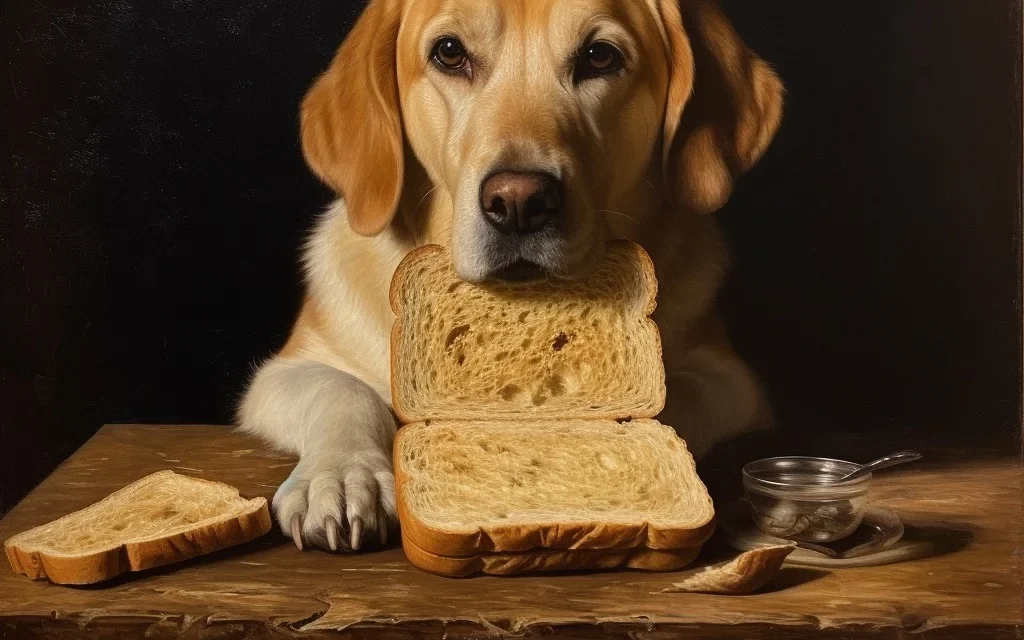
269	589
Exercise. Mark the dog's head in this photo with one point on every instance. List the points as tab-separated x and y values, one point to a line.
536	120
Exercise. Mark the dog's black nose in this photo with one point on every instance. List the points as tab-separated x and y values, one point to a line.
520	202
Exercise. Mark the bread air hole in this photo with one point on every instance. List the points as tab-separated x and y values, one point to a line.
556	385
523	316
455	335
453	286
509	391
560	341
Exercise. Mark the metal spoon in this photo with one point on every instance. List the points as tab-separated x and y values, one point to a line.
882	463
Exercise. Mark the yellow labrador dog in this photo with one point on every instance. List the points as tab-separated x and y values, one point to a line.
523	134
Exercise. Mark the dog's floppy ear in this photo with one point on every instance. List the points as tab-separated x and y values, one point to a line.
724	105
351	121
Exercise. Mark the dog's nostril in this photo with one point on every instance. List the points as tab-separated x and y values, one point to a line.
497	206
520	202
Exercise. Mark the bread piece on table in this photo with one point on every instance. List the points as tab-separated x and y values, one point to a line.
157	520
552	349
744	574
515	563
470	487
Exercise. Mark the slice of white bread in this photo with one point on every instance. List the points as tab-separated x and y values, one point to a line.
469	487
501	564
553	349
157	520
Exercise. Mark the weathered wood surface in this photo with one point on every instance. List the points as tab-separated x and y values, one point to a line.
269	589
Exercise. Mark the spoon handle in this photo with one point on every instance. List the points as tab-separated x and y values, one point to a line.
890	460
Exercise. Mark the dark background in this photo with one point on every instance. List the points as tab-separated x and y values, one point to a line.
153	196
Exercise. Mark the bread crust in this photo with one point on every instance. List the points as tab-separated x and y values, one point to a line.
548	560
555	535
146	554
399	280
744	574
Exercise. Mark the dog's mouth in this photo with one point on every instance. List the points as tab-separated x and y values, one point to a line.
519	271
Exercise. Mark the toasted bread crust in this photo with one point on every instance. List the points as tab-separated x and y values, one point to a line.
548	560
394	299
555	535
138	556
745	574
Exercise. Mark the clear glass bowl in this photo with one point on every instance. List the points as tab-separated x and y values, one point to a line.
800	498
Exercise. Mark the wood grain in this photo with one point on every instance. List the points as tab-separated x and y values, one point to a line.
269	589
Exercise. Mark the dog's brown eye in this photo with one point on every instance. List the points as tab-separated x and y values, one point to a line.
597	59
600	57
450	55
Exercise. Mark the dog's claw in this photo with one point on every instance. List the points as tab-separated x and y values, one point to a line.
331	526
296	530
356	535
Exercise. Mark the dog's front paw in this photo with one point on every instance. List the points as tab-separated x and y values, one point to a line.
337	500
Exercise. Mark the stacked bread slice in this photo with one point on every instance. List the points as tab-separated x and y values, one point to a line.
529	441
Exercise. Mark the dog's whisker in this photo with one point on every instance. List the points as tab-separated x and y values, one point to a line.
619	213
424	198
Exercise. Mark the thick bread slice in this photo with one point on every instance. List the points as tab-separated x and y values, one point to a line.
550	350
465	488
503	564
157	520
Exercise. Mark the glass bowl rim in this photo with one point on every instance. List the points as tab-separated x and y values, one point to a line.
864	479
